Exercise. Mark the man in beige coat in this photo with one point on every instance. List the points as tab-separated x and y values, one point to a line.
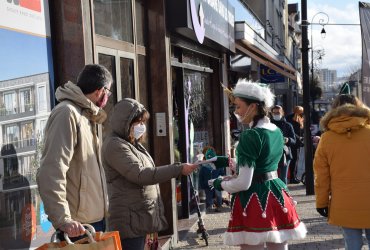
71	179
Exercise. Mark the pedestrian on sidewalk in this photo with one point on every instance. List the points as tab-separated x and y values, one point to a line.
207	172
277	113
135	204
297	121
71	179
263	212
341	167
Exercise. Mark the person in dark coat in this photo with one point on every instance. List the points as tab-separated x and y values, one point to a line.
277	113
297	120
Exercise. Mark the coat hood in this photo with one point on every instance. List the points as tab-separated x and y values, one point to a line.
71	92
123	114
346	118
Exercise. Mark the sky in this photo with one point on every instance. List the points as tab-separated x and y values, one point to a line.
342	44
23	54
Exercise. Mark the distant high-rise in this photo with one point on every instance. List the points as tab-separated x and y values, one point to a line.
327	77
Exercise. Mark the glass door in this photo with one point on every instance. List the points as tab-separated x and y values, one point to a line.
121	65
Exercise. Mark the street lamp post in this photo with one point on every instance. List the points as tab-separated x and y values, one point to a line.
306	105
306	98
323	22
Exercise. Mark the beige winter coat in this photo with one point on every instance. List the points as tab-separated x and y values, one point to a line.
70	179
135	204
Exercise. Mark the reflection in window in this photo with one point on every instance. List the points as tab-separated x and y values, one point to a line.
127	78
12	135
25	101
28	136
10	103
190	57
113	19
41	98
198	103
41	130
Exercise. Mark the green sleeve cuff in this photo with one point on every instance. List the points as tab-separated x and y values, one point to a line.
217	184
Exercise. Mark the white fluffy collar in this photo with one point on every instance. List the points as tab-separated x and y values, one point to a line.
264	123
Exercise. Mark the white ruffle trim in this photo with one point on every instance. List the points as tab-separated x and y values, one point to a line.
251	238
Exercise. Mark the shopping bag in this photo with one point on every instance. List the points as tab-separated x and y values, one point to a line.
93	241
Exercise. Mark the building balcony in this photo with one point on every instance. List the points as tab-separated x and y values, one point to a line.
17	112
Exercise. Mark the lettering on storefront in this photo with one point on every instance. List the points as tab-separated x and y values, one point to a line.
34	5
205	21
198	24
269	75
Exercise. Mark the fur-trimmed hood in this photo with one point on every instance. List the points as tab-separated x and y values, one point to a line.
345	119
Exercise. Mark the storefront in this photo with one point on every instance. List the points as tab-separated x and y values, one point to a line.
173	70
266	66
201	35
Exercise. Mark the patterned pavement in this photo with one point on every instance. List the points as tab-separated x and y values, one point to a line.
320	235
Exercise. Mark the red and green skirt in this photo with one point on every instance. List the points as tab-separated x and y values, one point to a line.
254	225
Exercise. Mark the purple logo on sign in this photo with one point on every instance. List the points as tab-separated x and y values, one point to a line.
198	24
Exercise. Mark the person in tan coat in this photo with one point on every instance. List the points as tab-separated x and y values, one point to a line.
135	203
342	169
71	178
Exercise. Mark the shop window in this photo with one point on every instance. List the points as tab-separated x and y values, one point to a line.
140	22
113	19
198	103
143	88
127	78
109	62
193	58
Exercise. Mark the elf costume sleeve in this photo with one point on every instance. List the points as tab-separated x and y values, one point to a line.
241	182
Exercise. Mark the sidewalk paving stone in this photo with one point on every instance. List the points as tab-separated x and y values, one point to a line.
320	235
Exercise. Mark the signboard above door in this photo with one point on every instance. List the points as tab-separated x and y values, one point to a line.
208	22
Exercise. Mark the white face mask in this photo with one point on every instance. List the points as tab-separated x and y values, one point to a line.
242	118
139	130
276	117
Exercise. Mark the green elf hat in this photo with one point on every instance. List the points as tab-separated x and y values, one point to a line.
345	89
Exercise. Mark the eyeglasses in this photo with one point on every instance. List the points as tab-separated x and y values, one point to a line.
108	91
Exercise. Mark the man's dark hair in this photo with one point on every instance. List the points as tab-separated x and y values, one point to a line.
93	77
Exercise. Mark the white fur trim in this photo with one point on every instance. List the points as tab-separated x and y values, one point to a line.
250	238
265	123
254	91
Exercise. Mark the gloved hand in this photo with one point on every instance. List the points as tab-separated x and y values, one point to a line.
217	184
323	211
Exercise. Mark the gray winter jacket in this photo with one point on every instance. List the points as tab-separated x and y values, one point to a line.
135	205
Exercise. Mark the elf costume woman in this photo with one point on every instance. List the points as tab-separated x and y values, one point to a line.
262	209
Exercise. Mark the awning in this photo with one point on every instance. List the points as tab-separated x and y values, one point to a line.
260	56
